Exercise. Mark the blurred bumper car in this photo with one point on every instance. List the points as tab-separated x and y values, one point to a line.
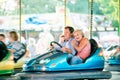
20	62
6	64
110	50
113	62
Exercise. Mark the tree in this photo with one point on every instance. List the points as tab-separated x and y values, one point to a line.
39	6
110	8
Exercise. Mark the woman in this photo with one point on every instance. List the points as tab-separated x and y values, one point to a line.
83	47
18	49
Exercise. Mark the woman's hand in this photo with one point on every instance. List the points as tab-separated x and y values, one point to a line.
73	42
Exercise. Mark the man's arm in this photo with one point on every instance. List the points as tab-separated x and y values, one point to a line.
12	50
66	50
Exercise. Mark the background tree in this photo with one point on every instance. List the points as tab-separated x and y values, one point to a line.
110	8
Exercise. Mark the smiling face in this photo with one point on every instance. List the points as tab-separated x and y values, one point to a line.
78	34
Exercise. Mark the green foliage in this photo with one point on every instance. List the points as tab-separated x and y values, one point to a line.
106	7
96	9
38	6
79	6
115	23
49	6
109	7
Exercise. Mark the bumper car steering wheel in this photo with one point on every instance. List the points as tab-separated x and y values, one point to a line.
54	42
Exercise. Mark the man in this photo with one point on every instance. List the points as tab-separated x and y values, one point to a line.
68	37
2	38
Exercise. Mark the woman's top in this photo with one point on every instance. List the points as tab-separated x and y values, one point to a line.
85	52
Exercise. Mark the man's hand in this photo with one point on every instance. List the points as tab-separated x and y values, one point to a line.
66	50
51	47
12	50
63	49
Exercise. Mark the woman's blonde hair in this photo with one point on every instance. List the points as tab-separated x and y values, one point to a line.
79	31
13	35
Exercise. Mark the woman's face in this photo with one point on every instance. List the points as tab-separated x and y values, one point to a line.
78	36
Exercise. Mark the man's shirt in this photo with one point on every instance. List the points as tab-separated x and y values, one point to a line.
18	47
67	44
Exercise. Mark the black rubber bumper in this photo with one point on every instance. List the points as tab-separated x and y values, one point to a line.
8	77
65	75
112	67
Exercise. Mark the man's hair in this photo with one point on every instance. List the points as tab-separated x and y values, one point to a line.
71	29
2	35
14	35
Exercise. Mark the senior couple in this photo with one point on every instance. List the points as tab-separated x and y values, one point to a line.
74	43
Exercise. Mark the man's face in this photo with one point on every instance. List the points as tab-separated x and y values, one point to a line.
67	34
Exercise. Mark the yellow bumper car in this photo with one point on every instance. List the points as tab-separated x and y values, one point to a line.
6	65
20	62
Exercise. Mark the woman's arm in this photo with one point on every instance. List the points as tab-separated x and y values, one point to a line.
82	44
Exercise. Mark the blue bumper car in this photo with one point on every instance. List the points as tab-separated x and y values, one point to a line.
113	63
56	61
114	60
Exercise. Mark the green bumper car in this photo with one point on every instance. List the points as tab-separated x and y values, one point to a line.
6	65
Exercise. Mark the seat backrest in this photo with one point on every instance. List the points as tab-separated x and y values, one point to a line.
94	47
3	50
21	52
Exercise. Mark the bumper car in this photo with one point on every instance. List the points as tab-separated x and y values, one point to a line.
20	62
18	65
6	65
110	50
55	62
114	60
113	63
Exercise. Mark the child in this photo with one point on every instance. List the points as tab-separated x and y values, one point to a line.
62	39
